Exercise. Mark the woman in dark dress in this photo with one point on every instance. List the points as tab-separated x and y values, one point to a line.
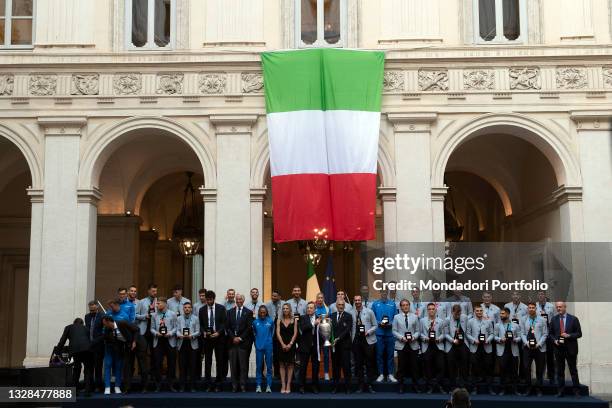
286	333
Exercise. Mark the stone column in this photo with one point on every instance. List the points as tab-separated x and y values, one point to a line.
33	356
233	260
209	196
60	276
258	196
438	195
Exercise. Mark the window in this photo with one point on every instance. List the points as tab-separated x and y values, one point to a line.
16	21
150	24
320	23
498	21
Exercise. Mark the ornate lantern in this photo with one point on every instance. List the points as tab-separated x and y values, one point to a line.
187	231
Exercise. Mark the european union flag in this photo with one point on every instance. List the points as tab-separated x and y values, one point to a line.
329	287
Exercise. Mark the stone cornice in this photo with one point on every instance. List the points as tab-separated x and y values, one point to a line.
228	124
209	195
387	193
412	122
439	193
89	195
592	120
36	195
61	126
258	195
564	194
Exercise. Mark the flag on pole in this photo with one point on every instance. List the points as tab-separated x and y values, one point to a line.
323	111
329	287
312	283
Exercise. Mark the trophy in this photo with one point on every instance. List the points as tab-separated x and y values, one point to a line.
515	320
509	334
561	340
325	329
385	321
185	331
432	334
481	337
408	336
459	335
361	329
163	330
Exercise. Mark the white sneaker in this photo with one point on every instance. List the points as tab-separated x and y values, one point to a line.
258	389
268	389
391	378
326	377
107	391
380	378
117	390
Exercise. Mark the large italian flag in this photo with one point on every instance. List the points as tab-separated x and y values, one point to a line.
323	109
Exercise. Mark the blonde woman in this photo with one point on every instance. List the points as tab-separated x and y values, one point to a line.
286	333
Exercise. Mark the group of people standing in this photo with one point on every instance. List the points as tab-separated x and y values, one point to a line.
439	344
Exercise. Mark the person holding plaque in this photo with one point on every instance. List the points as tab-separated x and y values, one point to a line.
534	332
239	333
308	346
407	333
213	318
490	311
342	326
458	353
187	344
364	345
384	310
518	310
546	310
508	338
480	335
286	333
263	333
433	347
564	332
176	302
163	329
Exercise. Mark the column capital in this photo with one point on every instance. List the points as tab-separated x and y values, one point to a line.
387	193
209	195
438	193
36	195
62	125
412	122
233	123
592	120
564	194
89	195
258	195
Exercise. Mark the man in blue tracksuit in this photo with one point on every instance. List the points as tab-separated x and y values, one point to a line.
384	309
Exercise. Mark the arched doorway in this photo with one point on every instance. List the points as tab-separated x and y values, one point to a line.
15	216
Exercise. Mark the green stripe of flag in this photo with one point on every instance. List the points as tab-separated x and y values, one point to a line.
323	79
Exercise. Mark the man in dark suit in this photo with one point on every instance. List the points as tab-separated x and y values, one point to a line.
78	347
308	347
93	322
564	333
342	326
212	325
239	331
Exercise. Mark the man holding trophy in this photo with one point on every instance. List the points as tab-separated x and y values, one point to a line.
342	325
407	333
187	344
308	344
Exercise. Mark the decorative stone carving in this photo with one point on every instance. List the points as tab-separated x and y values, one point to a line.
6	84
170	84
525	78
571	78
127	84
43	85
252	82
607	76
479	80
393	81
212	83
85	84
433	80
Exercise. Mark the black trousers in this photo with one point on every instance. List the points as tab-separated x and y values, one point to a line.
239	365
561	356
341	359
130	358
481	365
164	350
550	359
433	364
83	359
458	357
313	357
188	364
407	365
97	356
531	355
508	366
217	347
364	354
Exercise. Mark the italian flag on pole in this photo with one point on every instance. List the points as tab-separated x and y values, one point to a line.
312	284
323	110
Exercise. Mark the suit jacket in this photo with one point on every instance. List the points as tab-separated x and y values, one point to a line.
142	311
307	340
368	319
451	329
500	333
342	329
220	318
439	328
474	328
242	328
97	343
540	332
572	327
194	331
128	330
169	320
519	311
491	313
77	336
400	328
